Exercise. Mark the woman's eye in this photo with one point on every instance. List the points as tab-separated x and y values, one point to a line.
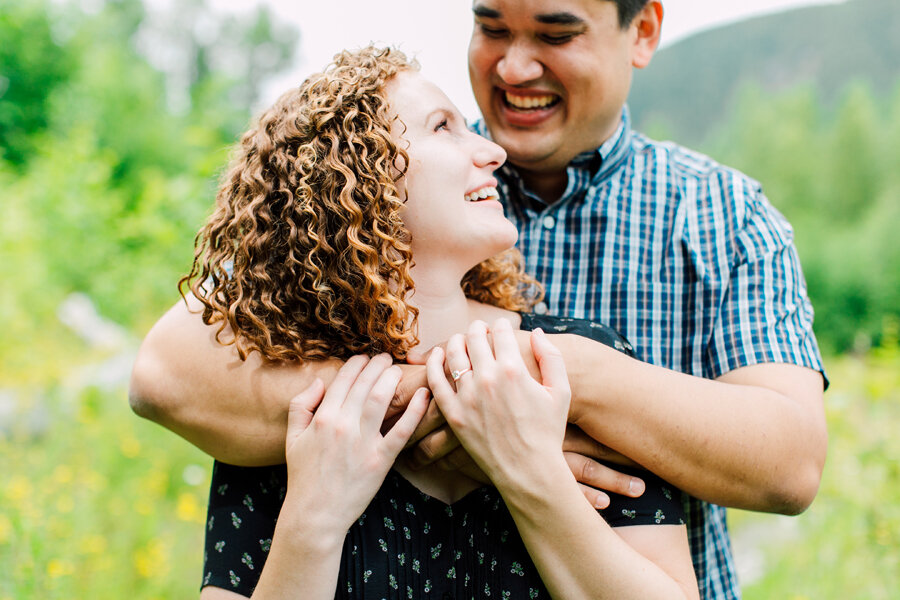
442	125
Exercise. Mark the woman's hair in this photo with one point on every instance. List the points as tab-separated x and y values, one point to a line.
305	256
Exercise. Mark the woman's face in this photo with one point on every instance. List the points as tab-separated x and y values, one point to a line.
452	210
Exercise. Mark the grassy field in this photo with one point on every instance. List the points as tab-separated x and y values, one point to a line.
847	545
97	503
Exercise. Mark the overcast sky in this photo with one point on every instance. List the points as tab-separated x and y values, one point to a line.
437	31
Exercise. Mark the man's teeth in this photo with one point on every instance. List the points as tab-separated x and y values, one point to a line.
530	101
483	193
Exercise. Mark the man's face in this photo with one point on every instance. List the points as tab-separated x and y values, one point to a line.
551	76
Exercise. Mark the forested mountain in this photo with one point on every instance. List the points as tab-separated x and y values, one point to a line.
693	84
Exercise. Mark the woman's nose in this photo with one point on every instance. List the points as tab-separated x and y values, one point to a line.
488	153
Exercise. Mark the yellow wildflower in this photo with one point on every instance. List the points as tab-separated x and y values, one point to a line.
188	509
59	568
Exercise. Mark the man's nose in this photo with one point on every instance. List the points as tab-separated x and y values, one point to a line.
519	65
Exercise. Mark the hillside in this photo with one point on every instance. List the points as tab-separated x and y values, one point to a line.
691	85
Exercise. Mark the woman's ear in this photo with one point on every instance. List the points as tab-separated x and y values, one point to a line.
648	26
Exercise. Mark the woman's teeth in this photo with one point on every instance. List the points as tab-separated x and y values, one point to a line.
530	102
482	194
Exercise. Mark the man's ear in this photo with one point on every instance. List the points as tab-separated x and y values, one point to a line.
648	26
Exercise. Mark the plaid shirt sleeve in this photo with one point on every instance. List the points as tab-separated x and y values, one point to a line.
765	314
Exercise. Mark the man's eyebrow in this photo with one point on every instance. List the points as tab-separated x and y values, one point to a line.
486	13
559	18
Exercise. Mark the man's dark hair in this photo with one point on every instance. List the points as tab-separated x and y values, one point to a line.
628	9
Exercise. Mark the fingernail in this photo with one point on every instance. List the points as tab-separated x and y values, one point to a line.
538	331
635	487
602	501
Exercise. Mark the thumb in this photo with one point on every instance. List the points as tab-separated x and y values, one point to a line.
418	355
303	407
550	361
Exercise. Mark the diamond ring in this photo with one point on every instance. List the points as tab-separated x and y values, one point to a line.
457	374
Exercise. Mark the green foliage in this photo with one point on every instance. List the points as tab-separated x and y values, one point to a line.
105	178
32	64
695	83
836	180
91	508
847	545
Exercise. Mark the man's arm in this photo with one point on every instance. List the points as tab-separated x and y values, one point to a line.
191	384
755	438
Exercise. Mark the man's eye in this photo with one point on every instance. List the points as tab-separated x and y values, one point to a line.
558	39
493	32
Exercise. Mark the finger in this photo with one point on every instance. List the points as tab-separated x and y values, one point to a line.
434	446
505	343
413	378
589	472
455	460
597	498
479	347
550	361
457	359
419	355
437	380
379	399
443	393
579	442
396	438
433	419
473	471
303	407
359	392
343	381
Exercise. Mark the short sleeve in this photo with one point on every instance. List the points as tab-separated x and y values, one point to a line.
660	504
765	315
244	503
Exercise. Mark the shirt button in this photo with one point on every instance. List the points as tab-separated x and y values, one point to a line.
540	308
549	222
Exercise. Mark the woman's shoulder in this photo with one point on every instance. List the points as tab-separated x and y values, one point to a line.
489	313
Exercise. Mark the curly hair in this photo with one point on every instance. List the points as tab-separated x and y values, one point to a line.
305	256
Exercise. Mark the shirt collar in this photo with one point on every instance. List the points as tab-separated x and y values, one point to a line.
585	170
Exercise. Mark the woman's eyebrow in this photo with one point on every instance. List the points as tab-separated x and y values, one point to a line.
443	112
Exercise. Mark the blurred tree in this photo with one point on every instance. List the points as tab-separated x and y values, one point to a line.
105	180
835	177
32	65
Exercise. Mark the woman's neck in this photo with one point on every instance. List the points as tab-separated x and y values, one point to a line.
442	305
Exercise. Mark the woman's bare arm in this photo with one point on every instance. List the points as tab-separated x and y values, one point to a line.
513	426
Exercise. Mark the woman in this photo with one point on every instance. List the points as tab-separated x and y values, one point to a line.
360	217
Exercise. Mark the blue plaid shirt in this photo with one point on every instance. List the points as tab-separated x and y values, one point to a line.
684	257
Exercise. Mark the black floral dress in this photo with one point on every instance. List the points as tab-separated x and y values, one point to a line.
408	545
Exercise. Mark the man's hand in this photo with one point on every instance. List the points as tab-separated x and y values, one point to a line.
434	442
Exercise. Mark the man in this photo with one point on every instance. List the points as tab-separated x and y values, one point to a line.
685	257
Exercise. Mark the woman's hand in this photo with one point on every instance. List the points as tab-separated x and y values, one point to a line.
506	420
336	454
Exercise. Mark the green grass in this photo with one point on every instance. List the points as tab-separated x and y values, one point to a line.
847	545
100	504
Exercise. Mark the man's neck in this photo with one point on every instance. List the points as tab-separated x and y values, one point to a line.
548	186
